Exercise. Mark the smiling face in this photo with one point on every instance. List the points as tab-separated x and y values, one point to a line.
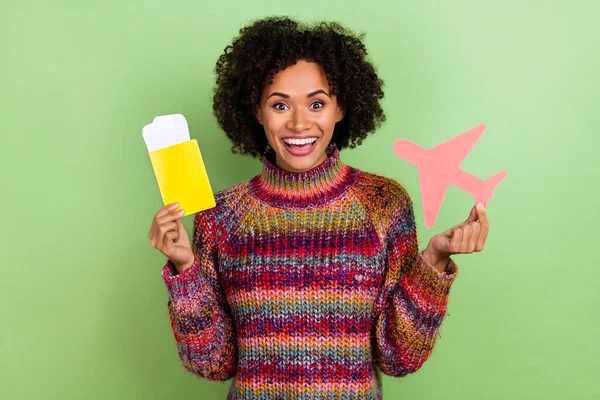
299	114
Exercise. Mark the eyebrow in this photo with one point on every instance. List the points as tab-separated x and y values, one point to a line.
308	95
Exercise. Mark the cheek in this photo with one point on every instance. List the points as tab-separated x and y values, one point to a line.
268	128
274	124
326	122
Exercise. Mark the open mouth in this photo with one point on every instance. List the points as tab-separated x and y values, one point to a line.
300	147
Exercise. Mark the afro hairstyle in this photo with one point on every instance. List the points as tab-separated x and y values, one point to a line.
271	44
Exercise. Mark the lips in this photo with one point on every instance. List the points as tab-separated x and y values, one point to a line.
300	150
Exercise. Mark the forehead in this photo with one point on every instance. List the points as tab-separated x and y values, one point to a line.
302	77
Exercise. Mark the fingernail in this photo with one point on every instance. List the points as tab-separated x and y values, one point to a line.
180	212
175	205
480	206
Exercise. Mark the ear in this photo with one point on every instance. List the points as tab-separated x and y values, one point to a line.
340	114
258	115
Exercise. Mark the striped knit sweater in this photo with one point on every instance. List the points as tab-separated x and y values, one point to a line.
307	286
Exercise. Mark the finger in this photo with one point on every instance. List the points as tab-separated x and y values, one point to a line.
171	216
179	229
152	234
485	225
466	239
475	236
159	219
450	232
481	214
166	209
166	227
172	235
482	236
162	230
457	237
180	226
472	215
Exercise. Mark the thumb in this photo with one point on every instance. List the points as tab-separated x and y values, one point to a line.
473	215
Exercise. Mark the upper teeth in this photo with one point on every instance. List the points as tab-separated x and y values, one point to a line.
299	141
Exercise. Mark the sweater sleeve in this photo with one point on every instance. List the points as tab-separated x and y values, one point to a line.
198	313
412	302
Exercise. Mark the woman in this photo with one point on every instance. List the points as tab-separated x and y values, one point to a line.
306	280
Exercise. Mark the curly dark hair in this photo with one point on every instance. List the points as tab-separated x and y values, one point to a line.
273	43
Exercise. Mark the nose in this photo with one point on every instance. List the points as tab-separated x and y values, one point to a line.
299	121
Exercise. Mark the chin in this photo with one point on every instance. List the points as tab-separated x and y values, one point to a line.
303	163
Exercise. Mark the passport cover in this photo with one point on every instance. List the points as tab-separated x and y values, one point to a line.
182	177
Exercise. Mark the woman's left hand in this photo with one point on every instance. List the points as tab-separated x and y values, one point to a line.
464	238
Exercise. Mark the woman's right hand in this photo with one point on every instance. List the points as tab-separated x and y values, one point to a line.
169	236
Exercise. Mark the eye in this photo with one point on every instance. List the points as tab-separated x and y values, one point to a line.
318	102
275	106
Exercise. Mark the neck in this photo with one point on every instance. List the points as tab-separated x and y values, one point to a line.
281	164
316	186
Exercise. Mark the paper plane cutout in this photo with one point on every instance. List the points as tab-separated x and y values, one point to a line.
439	167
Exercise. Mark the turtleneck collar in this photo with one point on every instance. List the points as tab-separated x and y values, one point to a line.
319	185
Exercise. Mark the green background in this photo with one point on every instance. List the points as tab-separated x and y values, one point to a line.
83	307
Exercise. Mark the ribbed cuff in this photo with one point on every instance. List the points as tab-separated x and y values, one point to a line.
183	285
434	281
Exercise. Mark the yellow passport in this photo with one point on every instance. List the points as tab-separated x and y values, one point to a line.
178	165
182	177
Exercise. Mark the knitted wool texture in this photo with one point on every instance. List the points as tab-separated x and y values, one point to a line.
307	286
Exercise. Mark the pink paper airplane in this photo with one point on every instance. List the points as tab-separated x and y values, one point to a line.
439	167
